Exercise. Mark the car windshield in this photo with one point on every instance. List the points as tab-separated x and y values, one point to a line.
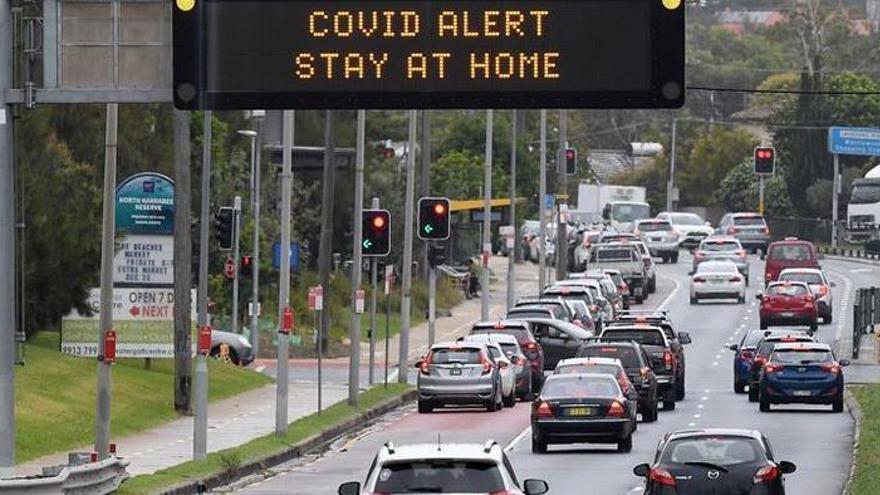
718	450
786	290
646	337
626	354
630	212
866	192
526	314
790	252
569	386
806	277
454	355
655	227
686	219
602	369
439	476
715	267
805	356
509	349
521	334
749	222
719	246
615	254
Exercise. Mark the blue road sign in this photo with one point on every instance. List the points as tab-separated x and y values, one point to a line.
863	141
294	256
145	205
549	201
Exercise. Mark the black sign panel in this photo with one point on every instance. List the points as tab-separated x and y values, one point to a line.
278	54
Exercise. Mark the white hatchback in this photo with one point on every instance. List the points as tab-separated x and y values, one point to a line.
719	279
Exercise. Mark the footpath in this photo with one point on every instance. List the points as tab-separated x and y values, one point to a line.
239	419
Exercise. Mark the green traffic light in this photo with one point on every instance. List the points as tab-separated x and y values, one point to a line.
368	244
428	228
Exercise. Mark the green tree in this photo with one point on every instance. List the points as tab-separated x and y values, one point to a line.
739	192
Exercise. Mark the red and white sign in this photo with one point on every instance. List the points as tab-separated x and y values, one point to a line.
204	340
487	253
359	297
229	268
287	321
319	298
312	298
389	278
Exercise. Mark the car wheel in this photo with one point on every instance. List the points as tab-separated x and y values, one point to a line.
510	401
829	317
650	415
538	446
675	258
425	407
625	445
763	325
669	400
679	389
231	357
837	405
694	300
739	388
764	404
814	326
753	393
653	287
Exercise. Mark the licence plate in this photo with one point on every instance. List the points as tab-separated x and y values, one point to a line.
579	411
787	314
801	393
455	371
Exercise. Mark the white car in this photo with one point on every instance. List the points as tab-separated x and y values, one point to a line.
819	286
508	373
719	279
691	227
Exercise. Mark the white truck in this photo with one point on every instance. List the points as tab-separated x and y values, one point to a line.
620	206
863	210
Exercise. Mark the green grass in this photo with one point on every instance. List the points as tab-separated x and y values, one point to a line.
298	431
867	477
55	396
393	325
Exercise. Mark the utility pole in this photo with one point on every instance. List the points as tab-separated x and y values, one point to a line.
328	200
354	369
542	209
487	218
108	239
835	201
283	356
236	256
7	246
200	422
406	288
373	296
182	266
562	193
425	175
256	187
670	184
511	251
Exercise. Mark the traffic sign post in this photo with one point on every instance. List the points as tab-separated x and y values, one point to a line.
859	141
389	282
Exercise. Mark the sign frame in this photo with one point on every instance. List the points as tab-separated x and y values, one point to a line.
665	86
867	146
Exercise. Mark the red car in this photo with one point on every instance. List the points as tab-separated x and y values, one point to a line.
789	303
789	253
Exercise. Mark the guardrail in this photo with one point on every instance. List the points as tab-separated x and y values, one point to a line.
868	253
866	314
92	478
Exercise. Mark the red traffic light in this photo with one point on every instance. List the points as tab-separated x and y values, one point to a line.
570	154
379	222
440	208
765	154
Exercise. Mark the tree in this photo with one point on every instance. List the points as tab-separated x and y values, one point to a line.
739	192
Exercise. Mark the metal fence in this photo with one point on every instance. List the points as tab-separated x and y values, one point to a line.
866	314
819	230
90	478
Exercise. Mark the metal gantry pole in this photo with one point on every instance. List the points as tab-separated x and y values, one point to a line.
511	251
7	246
487	217
835	201
761	195
406	288
200	419
373	298
670	184
283	353
561	192
108	233
236	256
542	209
354	368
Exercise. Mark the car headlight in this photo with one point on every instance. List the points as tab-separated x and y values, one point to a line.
244	341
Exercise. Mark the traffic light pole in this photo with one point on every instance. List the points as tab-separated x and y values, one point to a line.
835	200
561	192
432	296
255	298
372	335
487	218
511	251
283	353
236	257
761	195
542	209
354	368
200	418
406	288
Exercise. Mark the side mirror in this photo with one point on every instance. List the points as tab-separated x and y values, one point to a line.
787	467
642	470
684	338
535	487
759	296
763	256
503	365
419	363
832	284
844	362
733	347
350	488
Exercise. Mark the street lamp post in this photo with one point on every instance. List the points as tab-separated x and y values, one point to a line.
255	202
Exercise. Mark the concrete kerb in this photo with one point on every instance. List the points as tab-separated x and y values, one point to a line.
855	410
315	443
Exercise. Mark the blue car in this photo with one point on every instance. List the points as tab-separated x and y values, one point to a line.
742	361
802	373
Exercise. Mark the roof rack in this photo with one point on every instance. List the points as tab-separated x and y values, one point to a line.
390	447
487	447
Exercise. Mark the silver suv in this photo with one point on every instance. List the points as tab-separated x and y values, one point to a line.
443	468
722	247
460	373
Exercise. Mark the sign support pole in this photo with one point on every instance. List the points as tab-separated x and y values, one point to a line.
406	289
542	209
511	251
354	365
670	184
387	324
255	198
200	421
108	231
7	246
432	299
835	201
320	353
487	217
373	297
561	191
283	352
236	257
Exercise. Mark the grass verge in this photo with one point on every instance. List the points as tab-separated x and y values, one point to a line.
867	475
224	460
55	396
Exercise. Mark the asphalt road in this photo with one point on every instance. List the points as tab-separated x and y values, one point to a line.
818	441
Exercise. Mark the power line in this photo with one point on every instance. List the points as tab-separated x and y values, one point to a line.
794	70
782	91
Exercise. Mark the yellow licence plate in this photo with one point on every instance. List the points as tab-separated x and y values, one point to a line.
579	411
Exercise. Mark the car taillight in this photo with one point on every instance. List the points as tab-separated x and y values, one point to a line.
759	361
667	359
772	368
732	230
823	290
594	308
766	474
544	410
616	410
661	477
531	346
735	278
766	231
426	364
487	365
644	372
747	355
699	279
832	368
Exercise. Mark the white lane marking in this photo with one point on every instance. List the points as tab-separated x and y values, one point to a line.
700	406
670	296
704	398
718	356
516	440
708	390
861	270
692	425
715	363
697	416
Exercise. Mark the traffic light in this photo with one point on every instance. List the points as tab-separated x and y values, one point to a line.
436	254
247	265
224	223
376	239
571	158
765	161
433	219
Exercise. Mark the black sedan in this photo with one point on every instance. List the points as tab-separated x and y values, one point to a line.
697	462
582	408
